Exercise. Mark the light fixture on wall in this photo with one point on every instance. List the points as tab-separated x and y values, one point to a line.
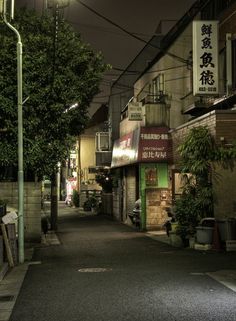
164	194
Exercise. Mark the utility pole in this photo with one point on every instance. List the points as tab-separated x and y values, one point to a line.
3	6
56	6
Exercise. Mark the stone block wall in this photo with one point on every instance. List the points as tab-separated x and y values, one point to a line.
32	206
156	214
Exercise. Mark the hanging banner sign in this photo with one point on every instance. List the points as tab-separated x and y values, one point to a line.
205	58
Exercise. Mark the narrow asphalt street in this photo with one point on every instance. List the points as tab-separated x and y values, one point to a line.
105	271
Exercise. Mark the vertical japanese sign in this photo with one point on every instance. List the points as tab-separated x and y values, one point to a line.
205	57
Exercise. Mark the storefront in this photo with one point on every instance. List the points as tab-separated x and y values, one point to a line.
145	155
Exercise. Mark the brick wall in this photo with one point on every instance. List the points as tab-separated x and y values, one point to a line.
222	125
226	127
32	206
180	132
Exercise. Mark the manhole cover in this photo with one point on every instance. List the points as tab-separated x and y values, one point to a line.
6	298
94	270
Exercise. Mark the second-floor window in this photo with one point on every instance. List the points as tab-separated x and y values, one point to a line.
157	87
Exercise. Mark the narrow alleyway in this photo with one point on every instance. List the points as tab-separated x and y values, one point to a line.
105	271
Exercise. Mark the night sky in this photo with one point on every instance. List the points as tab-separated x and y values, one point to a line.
136	16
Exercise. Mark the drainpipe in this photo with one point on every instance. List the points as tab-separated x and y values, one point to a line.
20	138
228	64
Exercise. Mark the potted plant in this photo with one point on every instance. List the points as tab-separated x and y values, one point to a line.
196	201
198	152
91	203
187	215
75	198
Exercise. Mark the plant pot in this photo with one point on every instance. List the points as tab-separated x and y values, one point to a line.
204	234
185	241
87	208
175	240
174	226
191	242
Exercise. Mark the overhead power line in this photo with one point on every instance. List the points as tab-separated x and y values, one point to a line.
103	29
134	72
130	33
126	88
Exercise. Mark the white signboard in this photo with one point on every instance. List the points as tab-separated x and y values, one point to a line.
9	217
135	111
205	58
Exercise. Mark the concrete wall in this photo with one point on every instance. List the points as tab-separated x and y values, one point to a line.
32	206
177	78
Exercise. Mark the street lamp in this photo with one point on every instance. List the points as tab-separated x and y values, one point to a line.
3	6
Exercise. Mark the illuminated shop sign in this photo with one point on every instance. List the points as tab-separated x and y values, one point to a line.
205	58
155	145
143	145
125	150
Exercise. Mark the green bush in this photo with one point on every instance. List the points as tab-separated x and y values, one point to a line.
75	198
187	214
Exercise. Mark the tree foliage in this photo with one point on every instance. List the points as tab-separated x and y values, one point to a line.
59	69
